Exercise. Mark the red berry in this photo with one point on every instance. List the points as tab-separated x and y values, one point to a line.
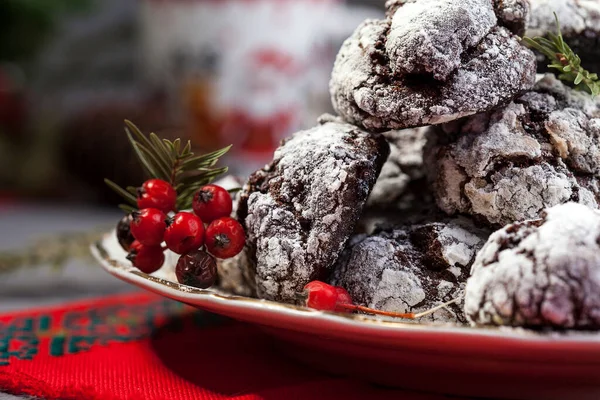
321	296
147	259
148	226
196	268
158	194
225	238
343	297
185	233
212	202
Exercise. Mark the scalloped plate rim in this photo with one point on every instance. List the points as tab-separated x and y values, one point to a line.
279	315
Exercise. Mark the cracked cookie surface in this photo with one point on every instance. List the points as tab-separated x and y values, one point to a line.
540	273
300	210
403	167
431	61
411	268
510	164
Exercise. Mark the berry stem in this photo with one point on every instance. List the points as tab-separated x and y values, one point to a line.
367	310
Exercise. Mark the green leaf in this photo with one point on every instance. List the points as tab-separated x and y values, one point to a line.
140	156
164	156
187	149
169	145
133	131
199	160
161	171
163	159
594	88
199	164
564	60
193	177
122	192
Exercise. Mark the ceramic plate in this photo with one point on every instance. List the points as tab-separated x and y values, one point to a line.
495	363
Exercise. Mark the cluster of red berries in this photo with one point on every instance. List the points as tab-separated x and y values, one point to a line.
142	232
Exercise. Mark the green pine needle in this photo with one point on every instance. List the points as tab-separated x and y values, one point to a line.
565	61
166	160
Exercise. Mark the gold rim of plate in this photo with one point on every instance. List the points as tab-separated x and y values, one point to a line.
505	332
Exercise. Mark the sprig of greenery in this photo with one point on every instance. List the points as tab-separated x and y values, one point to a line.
564	59
167	160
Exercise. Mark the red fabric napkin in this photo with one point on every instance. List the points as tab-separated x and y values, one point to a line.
146	347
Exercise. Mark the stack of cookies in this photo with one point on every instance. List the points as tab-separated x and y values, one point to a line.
444	134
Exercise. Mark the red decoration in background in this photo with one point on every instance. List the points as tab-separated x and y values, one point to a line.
258	135
145	347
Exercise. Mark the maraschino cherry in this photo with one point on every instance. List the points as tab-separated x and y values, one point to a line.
324	297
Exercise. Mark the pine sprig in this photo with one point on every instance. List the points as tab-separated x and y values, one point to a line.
564	59
166	160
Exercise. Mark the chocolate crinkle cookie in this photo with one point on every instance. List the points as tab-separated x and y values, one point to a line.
580	26
411	268
300	210
403	166
432	61
510	164
540	273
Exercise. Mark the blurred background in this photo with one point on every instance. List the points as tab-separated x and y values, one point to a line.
216	72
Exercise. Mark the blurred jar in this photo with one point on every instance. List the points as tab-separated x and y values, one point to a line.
244	72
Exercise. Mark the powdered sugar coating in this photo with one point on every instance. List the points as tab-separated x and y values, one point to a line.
429	36
236	275
510	164
513	14
426	64
540	273
409	144
300	210
411	268
404	165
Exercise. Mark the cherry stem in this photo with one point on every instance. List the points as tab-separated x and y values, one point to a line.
368	310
